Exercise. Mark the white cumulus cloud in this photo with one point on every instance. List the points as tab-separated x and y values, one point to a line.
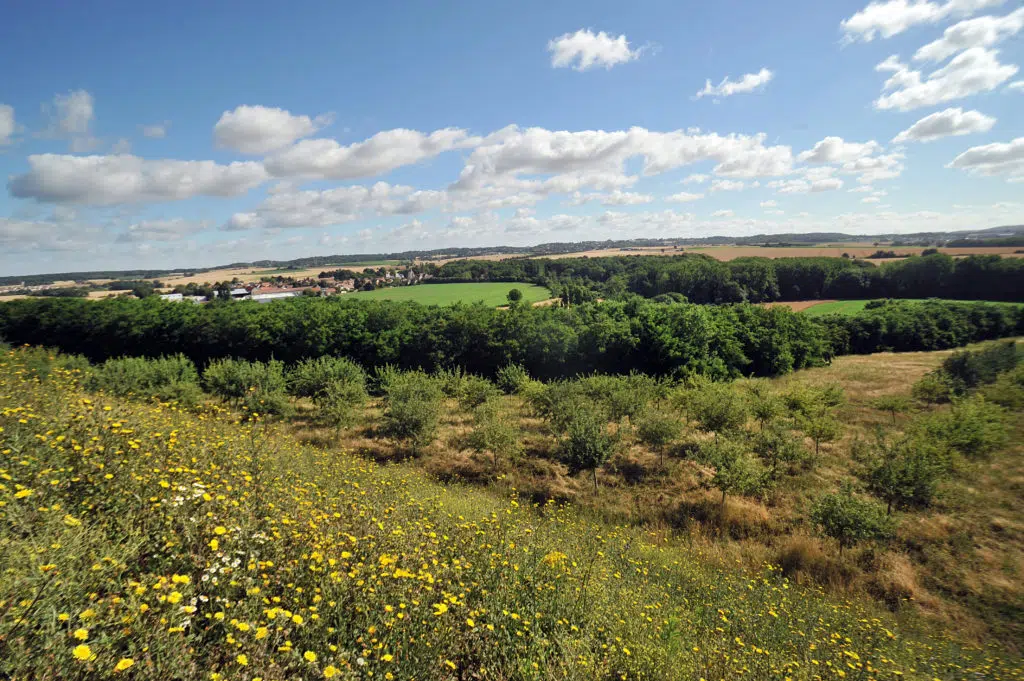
262	129
949	123
887	18
326	159
71	118
725	213
585	49
977	32
683	197
108	180
971	72
747	83
993	159
837	150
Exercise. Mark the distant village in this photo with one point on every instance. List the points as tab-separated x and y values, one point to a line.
266	289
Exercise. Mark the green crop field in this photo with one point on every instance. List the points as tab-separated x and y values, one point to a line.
849	307
491	293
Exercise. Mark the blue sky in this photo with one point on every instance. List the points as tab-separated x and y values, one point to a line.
193	134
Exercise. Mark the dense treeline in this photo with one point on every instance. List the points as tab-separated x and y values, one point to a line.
611	337
705	280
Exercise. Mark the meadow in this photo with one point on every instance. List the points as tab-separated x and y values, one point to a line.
489	293
843	307
141	539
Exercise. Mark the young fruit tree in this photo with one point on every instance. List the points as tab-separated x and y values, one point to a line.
412	408
849	519
586	443
737	470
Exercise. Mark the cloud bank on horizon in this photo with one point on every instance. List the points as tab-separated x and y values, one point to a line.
613	143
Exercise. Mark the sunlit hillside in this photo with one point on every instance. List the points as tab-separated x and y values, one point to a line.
143	541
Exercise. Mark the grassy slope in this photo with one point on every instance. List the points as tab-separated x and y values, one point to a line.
200	548
960	562
491	293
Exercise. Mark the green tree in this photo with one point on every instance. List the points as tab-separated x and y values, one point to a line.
849	519
737	471
894	404
818	422
514	296
765	405
412	408
716	407
495	430
658	430
973	427
586	444
776	446
906	472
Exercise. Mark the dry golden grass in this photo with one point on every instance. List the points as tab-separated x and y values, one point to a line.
959	562
829	250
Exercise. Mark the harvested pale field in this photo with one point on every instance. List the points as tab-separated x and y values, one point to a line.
858	250
797	305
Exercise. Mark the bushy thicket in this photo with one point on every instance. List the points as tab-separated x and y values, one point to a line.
702	279
612	337
171	378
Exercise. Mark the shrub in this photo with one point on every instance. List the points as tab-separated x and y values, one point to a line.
776	445
339	403
906	473
515	295
894	404
586	443
235	379
716	407
451	381
476	391
933	388
511	378
1008	390
495	431
972	427
820	425
849	519
658	430
382	378
412	407
314	378
765	405
736	469
142	376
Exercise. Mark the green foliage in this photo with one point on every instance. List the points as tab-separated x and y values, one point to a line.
907	472
969	369
612	337
849	519
586	443
476	390
819	424
163	377
514	296
382	377
765	404
235	379
1008	390
932	388
497	431
412	407
776	446
658	429
716	407
452	381
511	378
894	404
737	470
340	401
315	378
973	427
